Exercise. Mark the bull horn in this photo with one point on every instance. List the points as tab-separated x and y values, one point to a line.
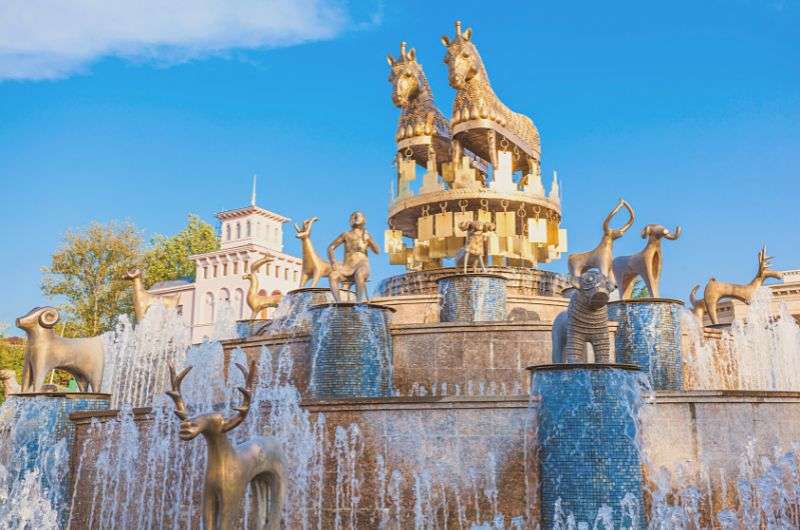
672	236
48	317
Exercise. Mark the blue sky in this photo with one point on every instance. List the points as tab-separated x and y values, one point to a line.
689	110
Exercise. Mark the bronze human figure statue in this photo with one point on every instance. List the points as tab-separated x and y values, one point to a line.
602	256
475	247
716	291
46	350
646	263
584	321
355	267
231	468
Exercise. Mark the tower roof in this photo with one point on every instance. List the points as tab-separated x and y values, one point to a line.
250	210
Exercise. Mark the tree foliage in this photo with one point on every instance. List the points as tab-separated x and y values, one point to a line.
168	257
640	289
12	354
88	272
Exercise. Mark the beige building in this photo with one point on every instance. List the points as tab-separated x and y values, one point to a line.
787	292
246	235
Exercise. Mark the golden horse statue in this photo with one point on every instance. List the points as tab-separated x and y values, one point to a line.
142	299
478	114
422	128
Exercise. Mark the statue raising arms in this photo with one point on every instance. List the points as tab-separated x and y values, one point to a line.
355	268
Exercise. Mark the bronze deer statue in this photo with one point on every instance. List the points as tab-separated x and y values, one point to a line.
142	299
314	267
647	263
601	258
716	290
231	468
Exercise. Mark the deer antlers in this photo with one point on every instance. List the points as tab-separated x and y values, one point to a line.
763	259
175	393
246	391
241	411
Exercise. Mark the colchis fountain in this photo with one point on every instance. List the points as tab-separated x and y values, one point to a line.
473	391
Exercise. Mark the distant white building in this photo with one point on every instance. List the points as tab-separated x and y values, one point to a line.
246	235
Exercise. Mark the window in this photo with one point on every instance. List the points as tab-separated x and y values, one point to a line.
294	276
228	232
238	302
236	267
209	308
238	231
224	295
224	269
286	273
249	229
215	271
277	271
179	309
205	273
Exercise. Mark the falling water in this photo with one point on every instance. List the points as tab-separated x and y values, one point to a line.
137	357
32	482
759	352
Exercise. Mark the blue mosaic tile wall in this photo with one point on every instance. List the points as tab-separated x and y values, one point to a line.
472	298
351	351
41	436
649	336
587	442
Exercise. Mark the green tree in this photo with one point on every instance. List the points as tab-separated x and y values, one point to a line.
640	289
168	257
12	353
88	271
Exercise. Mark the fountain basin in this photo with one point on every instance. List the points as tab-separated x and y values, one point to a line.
649	336
587	440
38	438
351	350
472	297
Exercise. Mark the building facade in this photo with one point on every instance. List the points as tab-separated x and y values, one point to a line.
220	287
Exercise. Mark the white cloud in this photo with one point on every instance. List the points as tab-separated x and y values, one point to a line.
48	39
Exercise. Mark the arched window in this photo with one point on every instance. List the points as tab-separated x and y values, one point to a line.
228	232
224	295
249	228
209	307
238	302
277	235
238	231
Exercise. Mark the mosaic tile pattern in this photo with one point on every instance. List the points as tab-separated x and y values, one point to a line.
472	298
649	336
587	442
351	350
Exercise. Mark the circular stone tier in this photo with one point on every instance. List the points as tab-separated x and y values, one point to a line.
587	442
351	350
649	336
472	297
519	281
403	213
